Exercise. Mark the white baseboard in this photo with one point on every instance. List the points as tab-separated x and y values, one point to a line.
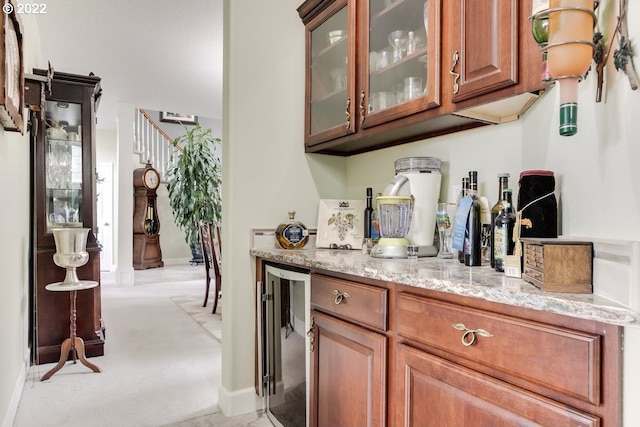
124	276
239	402
12	410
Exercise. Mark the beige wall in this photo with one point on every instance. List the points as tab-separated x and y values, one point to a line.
14	248
266	172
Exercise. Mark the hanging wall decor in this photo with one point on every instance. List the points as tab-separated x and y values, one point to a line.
11	70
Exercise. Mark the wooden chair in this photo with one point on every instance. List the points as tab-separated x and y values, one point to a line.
212	261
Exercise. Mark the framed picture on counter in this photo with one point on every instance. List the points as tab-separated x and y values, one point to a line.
185	119
340	224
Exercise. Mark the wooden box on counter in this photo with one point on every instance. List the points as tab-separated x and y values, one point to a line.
558	265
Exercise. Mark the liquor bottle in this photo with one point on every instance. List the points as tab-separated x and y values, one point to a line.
503	183
473	256
464	192
375	225
368	213
503	231
292	234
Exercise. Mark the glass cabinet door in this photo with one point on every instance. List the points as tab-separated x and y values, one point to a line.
330	68
63	165
402	60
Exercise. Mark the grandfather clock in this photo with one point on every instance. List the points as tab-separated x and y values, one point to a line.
146	226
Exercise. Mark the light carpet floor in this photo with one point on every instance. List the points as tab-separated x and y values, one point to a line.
161	365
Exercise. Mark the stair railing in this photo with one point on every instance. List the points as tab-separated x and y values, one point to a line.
153	144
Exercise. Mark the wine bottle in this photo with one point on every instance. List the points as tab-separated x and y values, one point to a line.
473	256
503	183
464	192
368	213
540	32
503	231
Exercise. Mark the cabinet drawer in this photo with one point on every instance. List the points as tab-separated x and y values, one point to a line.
531	355
354	301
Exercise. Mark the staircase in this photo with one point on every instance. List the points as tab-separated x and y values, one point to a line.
152	144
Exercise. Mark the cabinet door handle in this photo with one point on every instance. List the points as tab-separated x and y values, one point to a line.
340	296
312	336
348	113
456	58
469	337
362	109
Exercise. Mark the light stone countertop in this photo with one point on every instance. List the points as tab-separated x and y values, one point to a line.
452	277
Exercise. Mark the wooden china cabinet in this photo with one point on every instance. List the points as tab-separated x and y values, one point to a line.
386	72
62	125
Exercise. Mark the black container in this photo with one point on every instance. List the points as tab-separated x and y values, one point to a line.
537	201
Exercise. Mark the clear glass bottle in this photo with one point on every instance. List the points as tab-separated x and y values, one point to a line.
292	234
412	43
503	231
503	183
473	255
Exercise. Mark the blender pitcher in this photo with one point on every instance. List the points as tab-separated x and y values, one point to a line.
394	218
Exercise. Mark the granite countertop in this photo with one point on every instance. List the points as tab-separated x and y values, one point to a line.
452	277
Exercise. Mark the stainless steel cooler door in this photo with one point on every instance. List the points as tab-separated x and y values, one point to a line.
285	354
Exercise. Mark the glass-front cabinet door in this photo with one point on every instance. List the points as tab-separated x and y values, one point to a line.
63	165
331	73
400	72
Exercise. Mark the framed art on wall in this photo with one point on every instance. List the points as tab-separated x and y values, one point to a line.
185	119
11	70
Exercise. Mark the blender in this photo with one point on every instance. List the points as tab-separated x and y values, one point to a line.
418	177
394	218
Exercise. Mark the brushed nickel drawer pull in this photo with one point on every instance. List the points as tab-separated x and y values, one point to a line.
469	337
340	296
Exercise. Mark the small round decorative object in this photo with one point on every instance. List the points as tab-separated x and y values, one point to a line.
292	234
151	178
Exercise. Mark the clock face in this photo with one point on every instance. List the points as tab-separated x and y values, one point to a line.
151	179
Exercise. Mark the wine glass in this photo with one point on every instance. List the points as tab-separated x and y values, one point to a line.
444	220
398	41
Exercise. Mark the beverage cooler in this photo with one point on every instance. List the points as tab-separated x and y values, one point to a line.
284	350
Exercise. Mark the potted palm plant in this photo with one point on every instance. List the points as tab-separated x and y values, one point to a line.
194	184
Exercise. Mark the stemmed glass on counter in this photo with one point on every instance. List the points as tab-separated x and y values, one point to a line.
445	217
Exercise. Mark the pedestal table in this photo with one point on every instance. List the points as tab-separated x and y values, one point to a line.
74	343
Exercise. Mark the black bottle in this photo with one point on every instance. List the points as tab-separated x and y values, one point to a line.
503	183
368	213
503	231
464	192
473	256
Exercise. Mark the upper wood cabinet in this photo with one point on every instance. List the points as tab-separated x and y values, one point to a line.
385	72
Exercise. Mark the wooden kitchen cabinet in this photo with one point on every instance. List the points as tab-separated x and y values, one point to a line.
435	392
348	378
63	152
457	363
464	55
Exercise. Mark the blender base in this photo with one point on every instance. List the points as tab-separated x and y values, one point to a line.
389	251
